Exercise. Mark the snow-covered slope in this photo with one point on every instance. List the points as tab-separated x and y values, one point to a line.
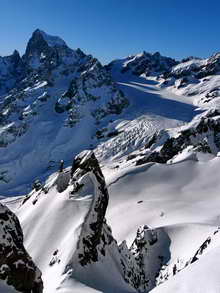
66	93
150	109
197	78
193	77
76	248
182	199
65	215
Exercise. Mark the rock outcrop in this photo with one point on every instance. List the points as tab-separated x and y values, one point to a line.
136	267
200	135
96	246
16	266
12	71
146	63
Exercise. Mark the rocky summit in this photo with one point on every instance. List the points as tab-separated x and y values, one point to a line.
59	91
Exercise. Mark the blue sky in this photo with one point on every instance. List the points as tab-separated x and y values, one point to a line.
111	29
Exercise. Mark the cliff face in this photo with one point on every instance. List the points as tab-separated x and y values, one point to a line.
93	239
16	266
96	247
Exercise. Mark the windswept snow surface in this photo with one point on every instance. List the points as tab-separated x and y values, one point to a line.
200	277
178	190
144	91
192	64
181	199
197	79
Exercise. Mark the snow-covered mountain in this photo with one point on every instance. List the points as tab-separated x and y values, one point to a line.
193	77
140	211
64	93
12	70
196	78
146	63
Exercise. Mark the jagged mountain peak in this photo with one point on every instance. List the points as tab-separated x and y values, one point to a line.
44	49
16	53
43	45
52	41
63	86
189	58
144	54
11	71
144	62
149	54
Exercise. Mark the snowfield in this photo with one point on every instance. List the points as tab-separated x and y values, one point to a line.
151	109
163	197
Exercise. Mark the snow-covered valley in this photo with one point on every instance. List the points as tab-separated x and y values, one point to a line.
136	206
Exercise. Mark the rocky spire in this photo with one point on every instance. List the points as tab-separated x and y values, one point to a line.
86	162
96	245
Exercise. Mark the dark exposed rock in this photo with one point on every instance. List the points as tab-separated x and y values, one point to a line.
131	157
93	75
211	67
12	71
96	242
16	266
37	185
147	63
201	249
95	220
147	248
191	71
40	52
202	135
62	181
